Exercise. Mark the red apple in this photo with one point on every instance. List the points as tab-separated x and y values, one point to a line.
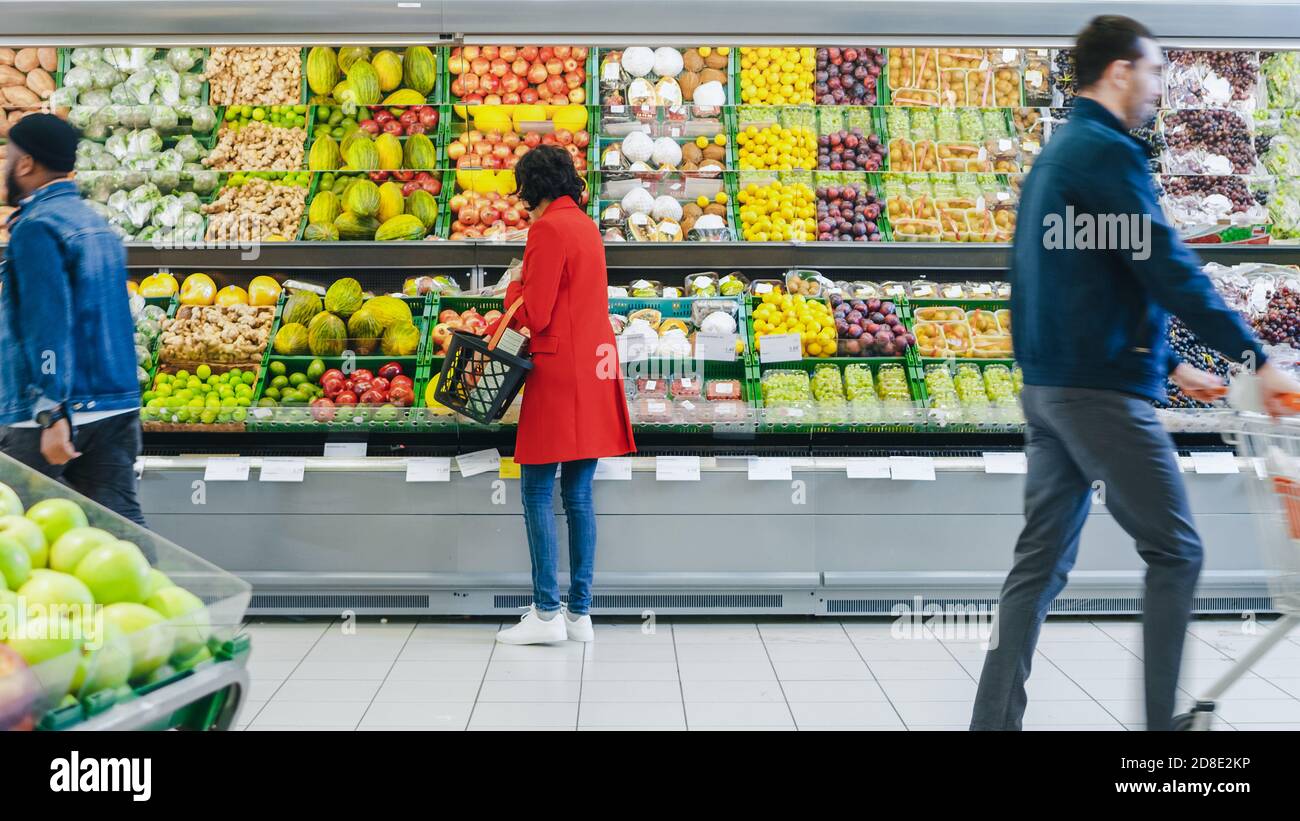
472	99
490	84
519	67
428	116
537	73
581	138
501	152
372	398
543	93
470	52
563	51
332	373
574	152
513	217
455	150
458	202
578	95
563	136
403	397
380	384
322	410
441	334
555	85
470	82
409	117
383	116
500	68
528	53
399	379
434	187
360	386
554	67
393	127
362	373
491	316
378	176
570	64
508	53
529	95
580	52
390	369
532	139
370	126
573	79
545	53
415	128
491	52
468	216
480	66
492	99
482	149
345	398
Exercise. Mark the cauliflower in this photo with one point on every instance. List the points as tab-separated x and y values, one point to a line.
667	152
667	62
638	147
638	61
666	207
638	201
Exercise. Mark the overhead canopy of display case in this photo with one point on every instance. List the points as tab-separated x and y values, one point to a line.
1256	23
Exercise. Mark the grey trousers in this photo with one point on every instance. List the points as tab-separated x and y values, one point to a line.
1076	437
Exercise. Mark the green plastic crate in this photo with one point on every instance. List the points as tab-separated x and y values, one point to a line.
815	424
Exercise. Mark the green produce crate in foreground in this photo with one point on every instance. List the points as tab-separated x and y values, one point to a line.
893	416
38	695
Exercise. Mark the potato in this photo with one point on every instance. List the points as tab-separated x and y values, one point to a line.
20	96
715	152
692	60
10	76
48	57
716	60
7	56
26	60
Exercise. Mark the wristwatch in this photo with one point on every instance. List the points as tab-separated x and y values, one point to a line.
47	418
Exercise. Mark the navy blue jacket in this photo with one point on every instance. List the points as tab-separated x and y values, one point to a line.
66	335
1095	317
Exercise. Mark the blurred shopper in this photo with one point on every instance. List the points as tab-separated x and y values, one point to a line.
574	409
1095	268
68	389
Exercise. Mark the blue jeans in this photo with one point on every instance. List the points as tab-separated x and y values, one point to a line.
1080	443
538	483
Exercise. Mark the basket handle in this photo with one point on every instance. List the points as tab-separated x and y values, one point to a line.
504	323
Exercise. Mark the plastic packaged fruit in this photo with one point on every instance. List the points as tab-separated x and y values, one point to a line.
722	390
991	347
689	411
827	383
969	383
786	386
1004	320
685	387
702	285
984	322
939	313
652	388
650	410
930	339
940	387
891	384
858	383
999	385
727	412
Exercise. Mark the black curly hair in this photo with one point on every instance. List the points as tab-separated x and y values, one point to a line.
547	173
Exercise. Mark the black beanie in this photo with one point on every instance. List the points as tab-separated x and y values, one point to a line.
48	140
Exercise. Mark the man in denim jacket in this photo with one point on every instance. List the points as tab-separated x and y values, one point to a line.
68	390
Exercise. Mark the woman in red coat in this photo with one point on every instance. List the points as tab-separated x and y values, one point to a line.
574	408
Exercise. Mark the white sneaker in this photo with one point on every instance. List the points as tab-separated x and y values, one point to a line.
532	629
579	629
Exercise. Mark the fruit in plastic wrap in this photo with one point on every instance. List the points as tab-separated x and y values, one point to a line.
685	387
969	383
827	383
786	386
857	382
999	385
649	410
939	385
726	412
651	388
891	384
1018	379
722	390
689	411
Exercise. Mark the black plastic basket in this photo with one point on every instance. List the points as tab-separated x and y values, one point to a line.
478	380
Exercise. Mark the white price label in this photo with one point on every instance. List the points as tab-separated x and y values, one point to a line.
1033	77
282	470
677	468
795	413
780	348
724	389
688	405
345	450
1003	196
227	469
995	462
428	469
612	72
686	381
773	468
612	159
762	287
480	461
656	407
1010	55
911	468
616	469
718	347
1005	144
617	109
651	385
867	467
1215	462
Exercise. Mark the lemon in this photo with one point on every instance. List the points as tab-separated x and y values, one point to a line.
720	197
701	200
719	138
705	51
703	142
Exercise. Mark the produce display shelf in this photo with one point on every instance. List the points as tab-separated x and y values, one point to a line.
438	136
314	188
882	87
300	418
436	97
461	110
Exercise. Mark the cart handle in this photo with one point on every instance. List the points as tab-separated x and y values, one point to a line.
504	323
1291	401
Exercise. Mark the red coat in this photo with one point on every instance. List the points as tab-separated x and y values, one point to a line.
574	405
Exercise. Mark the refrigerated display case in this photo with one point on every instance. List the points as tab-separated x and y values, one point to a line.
933	234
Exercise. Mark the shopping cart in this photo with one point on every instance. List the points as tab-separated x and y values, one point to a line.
1273	447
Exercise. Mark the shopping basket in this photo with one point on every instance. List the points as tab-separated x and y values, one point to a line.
1272	445
478	379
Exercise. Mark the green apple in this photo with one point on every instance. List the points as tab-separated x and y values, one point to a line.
9	613
193	661
44	638
72	547
51	589
187	615
56	517
15	563
105	660
29	535
148	633
157	581
10	504
115	572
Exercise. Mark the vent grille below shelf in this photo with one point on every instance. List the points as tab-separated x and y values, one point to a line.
339	601
660	601
1072	605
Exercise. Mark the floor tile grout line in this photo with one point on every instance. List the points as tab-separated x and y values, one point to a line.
577	719
386	675
479	693
681	685
322	635
780	684
867	664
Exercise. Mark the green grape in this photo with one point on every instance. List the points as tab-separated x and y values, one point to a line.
969	384
939	384
898	124
946	126
923	125
857	382
1018	380
827	385
786	387
891	383
995	123
998	383
971	125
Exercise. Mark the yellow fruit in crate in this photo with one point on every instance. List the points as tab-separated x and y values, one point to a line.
159	284
263	290
388	67
523	114
432	404
572	117
492	119
232	295
506	183
274	238
198	289
404	97
132	287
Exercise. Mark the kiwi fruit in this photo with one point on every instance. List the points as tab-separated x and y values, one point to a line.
692	60
715	208
692	153
688	81
691	211
715	152
716	60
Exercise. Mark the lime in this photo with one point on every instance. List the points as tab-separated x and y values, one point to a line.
235	373
185	395
249	377
147	396
277	368
164	390
203	372
266	402
193	382
280	381
272	393
259	114
183	415
223	418
182	375
298	378
316	369
196	403
208	417
239	414
243	401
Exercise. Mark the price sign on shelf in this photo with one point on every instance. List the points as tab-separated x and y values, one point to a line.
227	469
345	450
995	462
911	468
774	468
1215	462
428	469
614	468
867	467
480	461
282	470
677	468
716	347
780	348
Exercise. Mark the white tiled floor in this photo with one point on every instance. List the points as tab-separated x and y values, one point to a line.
739	674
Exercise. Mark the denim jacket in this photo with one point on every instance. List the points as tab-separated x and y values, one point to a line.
66	335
